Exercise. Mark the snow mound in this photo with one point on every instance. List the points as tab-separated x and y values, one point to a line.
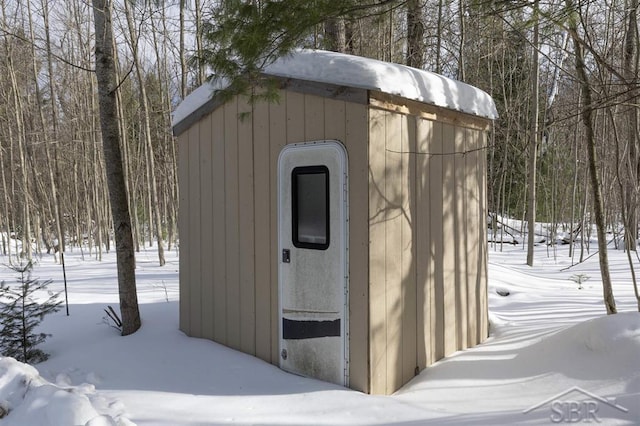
28	399
612	333
355	71
583	350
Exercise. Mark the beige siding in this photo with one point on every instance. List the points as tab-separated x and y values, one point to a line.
228	166
377	252
262	229
393	309
206	227
246	231
471	193
459	237
425	296
184	230
417	198
277	140
217	216
482	284
232	225
409	250
194	236
356	137
449	289
436	243
425	215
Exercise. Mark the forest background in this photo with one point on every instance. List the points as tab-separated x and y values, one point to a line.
564	76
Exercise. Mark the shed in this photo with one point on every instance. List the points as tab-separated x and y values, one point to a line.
340	232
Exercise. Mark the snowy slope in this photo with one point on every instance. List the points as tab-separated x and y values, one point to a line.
550	343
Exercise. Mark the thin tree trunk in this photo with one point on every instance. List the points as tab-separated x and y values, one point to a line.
573	196
169	204
335	35
107	86
415	34
587	119
631	73
439	39
53	167
22	148
463	33
182	53
533	144
201	75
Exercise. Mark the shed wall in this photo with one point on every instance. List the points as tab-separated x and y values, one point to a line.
228	219
427	208
417	233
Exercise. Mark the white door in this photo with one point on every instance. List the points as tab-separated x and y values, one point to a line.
312	273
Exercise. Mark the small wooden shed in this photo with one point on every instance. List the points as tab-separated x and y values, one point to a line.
340	232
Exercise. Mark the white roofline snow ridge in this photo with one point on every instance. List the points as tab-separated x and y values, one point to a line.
358	72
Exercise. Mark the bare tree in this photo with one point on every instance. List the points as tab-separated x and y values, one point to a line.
107	87
415	34
533	135
586	114
148	145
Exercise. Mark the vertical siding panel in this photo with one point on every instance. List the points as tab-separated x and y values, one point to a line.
246	230
335	122
393	256
356	139
408	281
448	228
232	223
218	217
195	237
186	251
482	178
436	190
460	236
262	212
314	123
295	117
472	240
277	140
377	264
424	260
206	230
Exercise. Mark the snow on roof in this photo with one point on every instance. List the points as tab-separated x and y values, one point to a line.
355	71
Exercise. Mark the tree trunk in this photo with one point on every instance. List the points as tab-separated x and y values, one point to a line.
200	78
631	74
415	34
182	53
598	208
335	35
54	171
154	208
438	68
461	47
533	144
107	86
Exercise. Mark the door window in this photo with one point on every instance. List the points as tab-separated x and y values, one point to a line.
310	205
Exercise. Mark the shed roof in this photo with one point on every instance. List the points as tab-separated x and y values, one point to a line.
363	73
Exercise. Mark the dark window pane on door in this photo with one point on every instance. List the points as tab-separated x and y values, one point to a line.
310	186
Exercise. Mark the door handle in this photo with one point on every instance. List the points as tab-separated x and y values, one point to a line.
286	256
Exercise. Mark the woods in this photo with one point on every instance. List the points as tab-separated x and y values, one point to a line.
54	172
564	75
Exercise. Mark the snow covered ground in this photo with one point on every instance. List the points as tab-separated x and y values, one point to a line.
553	356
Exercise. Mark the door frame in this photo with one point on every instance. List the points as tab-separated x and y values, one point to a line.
341	155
